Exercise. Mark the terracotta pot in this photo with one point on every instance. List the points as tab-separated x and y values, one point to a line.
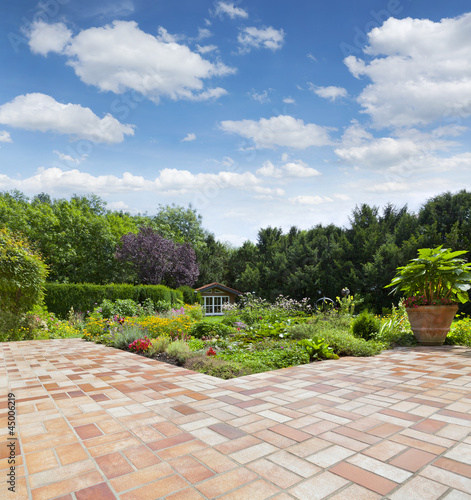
431	324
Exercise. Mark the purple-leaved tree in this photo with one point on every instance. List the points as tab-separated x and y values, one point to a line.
157	260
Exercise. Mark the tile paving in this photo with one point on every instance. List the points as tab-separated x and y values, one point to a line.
97	423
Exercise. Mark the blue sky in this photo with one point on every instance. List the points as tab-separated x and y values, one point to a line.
257	113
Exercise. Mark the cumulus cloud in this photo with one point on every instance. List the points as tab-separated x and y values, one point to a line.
40	112
5	136
169	181
296	168
289	100
228	9
257	38
121	57
261	97
69	158
310	200
189	137
45	38
411	146
419	71
206	49
283	130
332	93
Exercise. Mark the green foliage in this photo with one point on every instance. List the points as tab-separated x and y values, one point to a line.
366	325
437	274
395	329
22	277
158	345
460	332
336	332
210	329
60	297
196	344
121	308
317	348
268	356
178	349
126	335
216	367
189	295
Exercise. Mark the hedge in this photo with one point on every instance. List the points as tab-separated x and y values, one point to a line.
60	297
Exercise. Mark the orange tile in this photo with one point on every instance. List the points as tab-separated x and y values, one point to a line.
41	461
161	487
226	482
192	470
141	456
113	465
71	453
364	478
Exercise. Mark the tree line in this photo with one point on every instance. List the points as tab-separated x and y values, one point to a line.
84	242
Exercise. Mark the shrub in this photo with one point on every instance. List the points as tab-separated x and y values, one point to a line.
178	349
460	332
336	332
210	329
22	277
60	297
126	335
366	325
216	367
196	345
395	328
158	345
317	349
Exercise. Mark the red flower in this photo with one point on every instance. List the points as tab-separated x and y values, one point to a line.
210	352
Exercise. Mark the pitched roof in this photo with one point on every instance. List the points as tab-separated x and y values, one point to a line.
206	288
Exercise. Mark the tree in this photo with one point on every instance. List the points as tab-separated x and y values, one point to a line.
156	260
22	277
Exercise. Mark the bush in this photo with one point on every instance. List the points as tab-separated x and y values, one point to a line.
460	332
60	297
210	329
22	277
196	345
366	325
336	332
216	367
158	345
178	349
126	335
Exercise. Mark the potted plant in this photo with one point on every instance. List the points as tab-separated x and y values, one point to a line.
434	283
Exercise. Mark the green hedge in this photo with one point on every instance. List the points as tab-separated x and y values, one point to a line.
60	297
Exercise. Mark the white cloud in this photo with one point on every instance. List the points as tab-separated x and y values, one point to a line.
228	9
289	100
206	49
310	200
169	181
5	136
256	38
420	71
190	137
261	97
118	205
300	169
331	92
283	130
121	57
204	33
69	158
40	112
269	170
296	168
45	38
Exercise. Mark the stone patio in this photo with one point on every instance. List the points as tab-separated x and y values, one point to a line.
98	423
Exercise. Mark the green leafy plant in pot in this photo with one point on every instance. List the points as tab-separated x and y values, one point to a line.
433	283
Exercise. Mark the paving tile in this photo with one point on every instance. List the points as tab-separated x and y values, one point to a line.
156	489
318	487
460	453
330	456
253	452
97	492
41	461
293	463
413	459
258	490
364	478
71	453
274	473
192	470
223	483
114	465
215	460
141	457
141	477
419	488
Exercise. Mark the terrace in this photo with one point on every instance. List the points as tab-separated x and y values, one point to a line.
94	422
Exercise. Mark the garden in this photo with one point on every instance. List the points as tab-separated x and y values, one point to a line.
251	336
